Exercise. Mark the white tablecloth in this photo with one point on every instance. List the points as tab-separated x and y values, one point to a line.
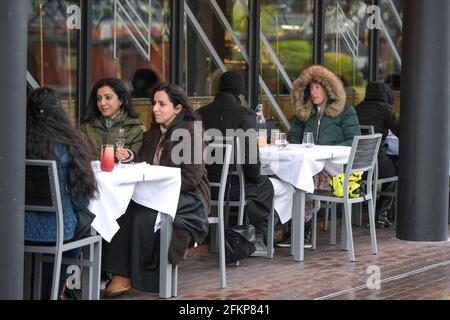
297	164
155	187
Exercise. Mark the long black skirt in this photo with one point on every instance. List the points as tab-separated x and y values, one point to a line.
134	250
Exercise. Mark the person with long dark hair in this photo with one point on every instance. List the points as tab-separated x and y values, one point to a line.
52	136
132	256
110	109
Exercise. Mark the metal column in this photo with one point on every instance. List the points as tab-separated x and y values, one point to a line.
84	70
177	41
319	31
253	50
13	88
374	40
424	133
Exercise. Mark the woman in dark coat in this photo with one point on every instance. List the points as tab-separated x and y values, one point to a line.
132	257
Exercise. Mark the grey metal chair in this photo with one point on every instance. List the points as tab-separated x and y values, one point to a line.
224	148
362	158
43	195
237	169
379	182
240	159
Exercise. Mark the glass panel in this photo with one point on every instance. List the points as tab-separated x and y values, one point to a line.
347	45
138	37
288	28
391	45
53	48
202	72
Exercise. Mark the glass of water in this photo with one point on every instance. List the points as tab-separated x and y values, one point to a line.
308	139
120	139
280	140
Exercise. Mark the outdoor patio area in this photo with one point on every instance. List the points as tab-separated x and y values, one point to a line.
408	270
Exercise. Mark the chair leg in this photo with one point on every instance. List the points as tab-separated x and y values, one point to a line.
327	212
174	281
37	277
314	230
27	278
96	278
223	274
373	236
270	231
56	275
349	233
333	225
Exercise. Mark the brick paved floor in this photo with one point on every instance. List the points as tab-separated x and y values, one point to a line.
408	270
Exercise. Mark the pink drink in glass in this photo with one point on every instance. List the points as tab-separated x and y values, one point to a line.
107	157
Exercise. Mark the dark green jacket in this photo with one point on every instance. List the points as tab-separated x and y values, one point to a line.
339	123
133	134
332	131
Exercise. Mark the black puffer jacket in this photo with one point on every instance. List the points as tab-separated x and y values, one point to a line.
376	109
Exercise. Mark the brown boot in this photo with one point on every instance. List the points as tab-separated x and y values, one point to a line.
117	286
178	245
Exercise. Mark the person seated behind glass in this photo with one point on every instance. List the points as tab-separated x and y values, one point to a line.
52	136
319	101
143	82
132	256
110	109
225	112
376	110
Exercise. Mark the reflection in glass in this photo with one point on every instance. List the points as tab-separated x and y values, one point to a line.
53	48
346	45
391	44
136	38
288	28
202	72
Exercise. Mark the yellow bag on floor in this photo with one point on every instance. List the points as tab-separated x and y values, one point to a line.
354	185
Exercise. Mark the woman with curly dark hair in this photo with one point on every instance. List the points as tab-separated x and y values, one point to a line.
52	136
109	109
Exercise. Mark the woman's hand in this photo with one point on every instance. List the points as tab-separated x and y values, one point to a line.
124	155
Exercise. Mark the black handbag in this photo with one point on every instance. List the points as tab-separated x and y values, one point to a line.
239	242
85	218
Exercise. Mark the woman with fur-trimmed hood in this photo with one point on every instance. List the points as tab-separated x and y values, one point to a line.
318	97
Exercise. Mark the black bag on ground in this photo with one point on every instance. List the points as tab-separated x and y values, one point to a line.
239	242
85	218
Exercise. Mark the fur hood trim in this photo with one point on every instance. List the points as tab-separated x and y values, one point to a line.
332	84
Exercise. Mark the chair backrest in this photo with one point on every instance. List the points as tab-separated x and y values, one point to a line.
220	149
42	191
365	130
363	157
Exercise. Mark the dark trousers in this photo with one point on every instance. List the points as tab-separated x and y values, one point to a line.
259	198
134	250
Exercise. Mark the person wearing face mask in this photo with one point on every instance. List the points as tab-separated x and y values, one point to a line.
109	109
132	256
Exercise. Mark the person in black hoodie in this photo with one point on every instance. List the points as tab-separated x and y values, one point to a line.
226	112
376	110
